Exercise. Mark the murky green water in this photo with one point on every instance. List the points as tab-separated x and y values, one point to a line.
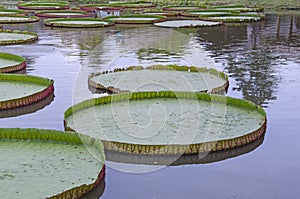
262	60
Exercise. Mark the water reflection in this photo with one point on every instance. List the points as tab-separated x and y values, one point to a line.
253	54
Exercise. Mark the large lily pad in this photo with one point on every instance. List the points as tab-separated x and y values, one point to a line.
17	19
235	18
159	78
181	8
171	160
239	8
186	24
136	19
20	90
197	13
48	164
11	63
78	23
62	14
168	122
16	37
134	4
91	7
44	6
4	12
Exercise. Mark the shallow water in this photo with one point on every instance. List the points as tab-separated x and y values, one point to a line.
262	60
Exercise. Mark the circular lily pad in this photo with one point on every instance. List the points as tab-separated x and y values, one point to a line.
91	7
20	90
134	4
11	63
16	37
17	19
4	12
62	14
235	18
48	164
31	108
78	23
161	13
170	160
186	24
198	13
159	78
239	8
44	6
181	8
168	122
136	19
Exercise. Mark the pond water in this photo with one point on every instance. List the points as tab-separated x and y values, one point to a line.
262	60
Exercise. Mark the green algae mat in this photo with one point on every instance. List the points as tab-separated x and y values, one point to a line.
8	37
17	19
11	63
78	23
136	19
48	164
159	78
168	122
21	90
186	23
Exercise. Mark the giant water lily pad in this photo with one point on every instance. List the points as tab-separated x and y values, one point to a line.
186	23
20	90
136	19
197	13
161	13
168	122
171	160
16	37
239	8
48	164
91	7
78	23
134	4
17	19
235	18
160	77
11	63
62	14
181	8
44	6
4	12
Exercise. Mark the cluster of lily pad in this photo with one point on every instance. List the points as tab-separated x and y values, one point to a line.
198	117
55	164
